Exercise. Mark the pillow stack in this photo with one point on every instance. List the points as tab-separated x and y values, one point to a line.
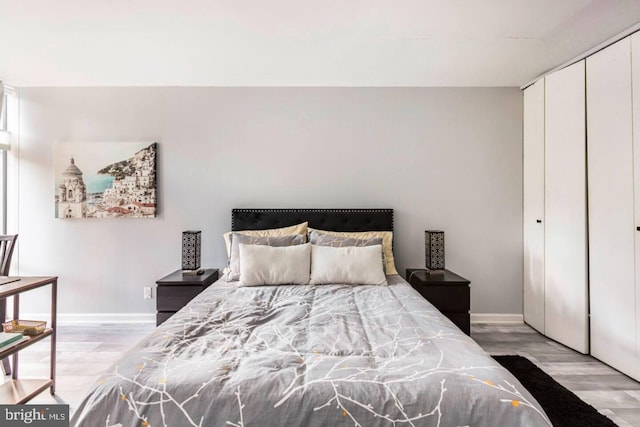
387	243
282	256
300	229
238	239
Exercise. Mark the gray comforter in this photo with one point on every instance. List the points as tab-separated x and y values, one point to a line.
308	356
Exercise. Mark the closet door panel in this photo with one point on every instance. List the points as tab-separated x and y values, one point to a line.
533	205
611	210
565	241
635	73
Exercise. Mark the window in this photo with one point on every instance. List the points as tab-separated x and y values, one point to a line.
8	123
3	114
7	116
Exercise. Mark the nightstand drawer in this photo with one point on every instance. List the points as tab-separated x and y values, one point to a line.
461	320
447	298
173	298
162	316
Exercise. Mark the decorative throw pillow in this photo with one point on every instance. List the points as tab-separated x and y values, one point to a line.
269	265
237	239
349	265
387	243
317	238
284	231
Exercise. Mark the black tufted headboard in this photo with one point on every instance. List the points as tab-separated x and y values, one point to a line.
323	219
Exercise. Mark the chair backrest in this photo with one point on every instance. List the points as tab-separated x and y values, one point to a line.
7	244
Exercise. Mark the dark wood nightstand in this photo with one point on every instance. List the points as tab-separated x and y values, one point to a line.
448	292
176	290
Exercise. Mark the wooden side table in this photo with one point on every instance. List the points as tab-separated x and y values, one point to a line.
20	391
448	292
176	290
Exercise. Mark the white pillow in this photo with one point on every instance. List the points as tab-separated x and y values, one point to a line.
269	265
349	265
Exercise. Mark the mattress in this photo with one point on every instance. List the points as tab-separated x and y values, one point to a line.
308	356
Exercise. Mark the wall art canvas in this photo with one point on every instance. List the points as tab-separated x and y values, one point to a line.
105	180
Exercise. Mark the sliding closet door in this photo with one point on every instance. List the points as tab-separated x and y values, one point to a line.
611	209
635	71
533	205
565	241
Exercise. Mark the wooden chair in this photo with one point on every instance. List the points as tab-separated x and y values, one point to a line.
7	244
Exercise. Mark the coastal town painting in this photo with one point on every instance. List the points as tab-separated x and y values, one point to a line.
105	180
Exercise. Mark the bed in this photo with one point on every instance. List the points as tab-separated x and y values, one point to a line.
292	355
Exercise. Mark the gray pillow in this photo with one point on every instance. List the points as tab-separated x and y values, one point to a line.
237	239
321	239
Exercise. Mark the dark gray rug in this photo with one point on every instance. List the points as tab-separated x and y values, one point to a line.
564	408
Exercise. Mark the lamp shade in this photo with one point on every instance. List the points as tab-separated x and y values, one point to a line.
191	241
434	249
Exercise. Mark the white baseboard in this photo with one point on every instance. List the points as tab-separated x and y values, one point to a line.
71	318
505	318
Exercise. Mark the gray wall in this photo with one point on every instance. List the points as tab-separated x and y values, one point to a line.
443	158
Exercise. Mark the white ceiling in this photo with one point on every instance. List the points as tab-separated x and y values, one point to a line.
298	42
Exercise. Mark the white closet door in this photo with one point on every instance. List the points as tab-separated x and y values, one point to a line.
611	210
635	71
565	241
533	205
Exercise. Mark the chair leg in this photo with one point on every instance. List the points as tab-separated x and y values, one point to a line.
6	367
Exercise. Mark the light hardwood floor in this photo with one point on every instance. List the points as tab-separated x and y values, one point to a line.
610	392
86	351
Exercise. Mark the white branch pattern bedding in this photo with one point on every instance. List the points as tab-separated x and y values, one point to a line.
308	356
